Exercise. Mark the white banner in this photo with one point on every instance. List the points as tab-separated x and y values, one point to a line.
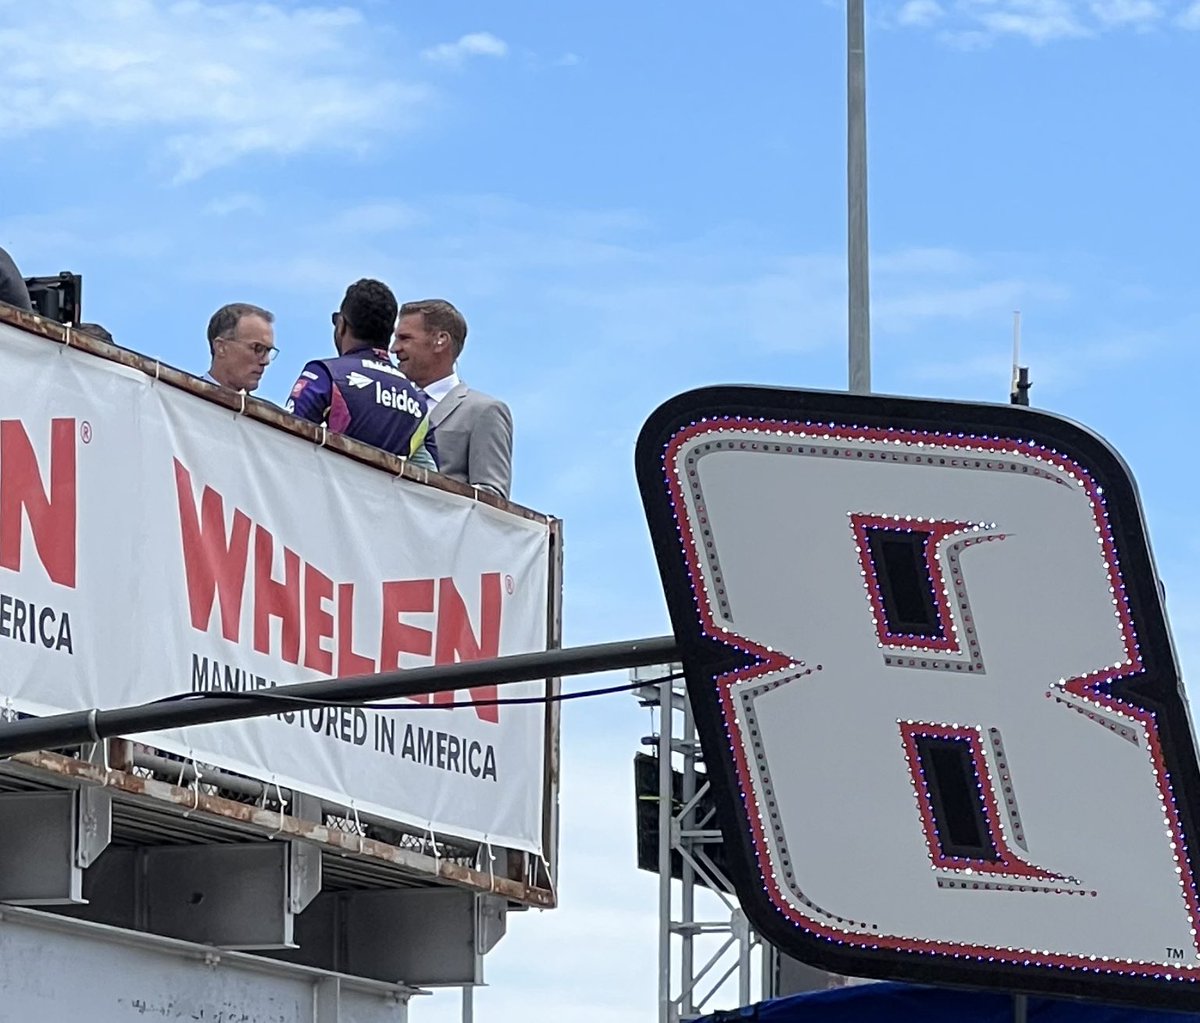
153	543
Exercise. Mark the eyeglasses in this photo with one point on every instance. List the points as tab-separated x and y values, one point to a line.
260	350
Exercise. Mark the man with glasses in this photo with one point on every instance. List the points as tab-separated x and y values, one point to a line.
242	342
360	393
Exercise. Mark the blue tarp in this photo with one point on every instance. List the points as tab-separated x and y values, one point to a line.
908	1003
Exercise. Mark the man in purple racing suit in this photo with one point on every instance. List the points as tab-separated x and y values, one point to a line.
359	392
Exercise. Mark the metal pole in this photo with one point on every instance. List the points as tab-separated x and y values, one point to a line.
745	948
666	790
84	726
856	192
1020	1008
687	885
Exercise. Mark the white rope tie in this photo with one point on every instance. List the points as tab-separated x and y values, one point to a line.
282	803
357	826
324	434
549	877
437	851
197	774
242	410
67	337
491	864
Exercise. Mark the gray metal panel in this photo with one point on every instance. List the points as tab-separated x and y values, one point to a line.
37	848
110	888
55	969
304	875
93	826
235	896
491	922
421	937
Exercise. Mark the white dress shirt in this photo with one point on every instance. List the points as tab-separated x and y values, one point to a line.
436	391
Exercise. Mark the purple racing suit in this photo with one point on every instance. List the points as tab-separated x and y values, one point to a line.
362	395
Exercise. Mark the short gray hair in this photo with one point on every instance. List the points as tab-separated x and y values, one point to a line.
440	315
225	320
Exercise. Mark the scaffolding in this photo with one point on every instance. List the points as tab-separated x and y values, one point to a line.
698	959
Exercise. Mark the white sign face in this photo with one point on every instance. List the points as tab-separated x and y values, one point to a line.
953	737
153	543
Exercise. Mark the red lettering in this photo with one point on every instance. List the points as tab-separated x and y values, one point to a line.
406	596
318	623
52	518
276	599
348	662
214	564
399	597
456	640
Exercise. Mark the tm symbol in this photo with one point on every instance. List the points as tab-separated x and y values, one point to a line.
1174	953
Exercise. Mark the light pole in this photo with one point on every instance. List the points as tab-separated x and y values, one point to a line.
856	194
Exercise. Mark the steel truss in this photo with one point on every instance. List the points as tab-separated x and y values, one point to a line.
697	958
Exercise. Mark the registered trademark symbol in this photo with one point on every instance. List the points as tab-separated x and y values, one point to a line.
85	432
509	585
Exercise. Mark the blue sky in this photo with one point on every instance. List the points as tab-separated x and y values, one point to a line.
628	200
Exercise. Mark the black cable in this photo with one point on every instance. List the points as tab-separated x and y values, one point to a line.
511	701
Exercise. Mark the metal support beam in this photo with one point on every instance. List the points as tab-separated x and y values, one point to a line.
46	841
80	727
234	896
421	937
54	968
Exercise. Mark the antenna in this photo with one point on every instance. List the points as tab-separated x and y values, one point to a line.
1019	393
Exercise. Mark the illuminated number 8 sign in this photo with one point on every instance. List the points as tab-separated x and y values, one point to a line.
935	688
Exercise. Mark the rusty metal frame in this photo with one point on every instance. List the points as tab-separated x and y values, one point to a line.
546	871
257	822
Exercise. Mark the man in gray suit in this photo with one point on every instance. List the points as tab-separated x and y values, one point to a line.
473	429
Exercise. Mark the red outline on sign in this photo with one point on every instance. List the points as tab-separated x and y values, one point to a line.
1009	864
1087	687
935	532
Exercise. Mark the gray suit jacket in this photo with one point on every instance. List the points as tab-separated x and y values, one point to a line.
473	431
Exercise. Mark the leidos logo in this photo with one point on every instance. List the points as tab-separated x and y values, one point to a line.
401	400
315	613
935	688
358	380
50	511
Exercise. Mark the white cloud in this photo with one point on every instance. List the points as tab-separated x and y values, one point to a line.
1190	18
474	44
1138	13
216	82
1039	21
973	23
920	12
238	202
